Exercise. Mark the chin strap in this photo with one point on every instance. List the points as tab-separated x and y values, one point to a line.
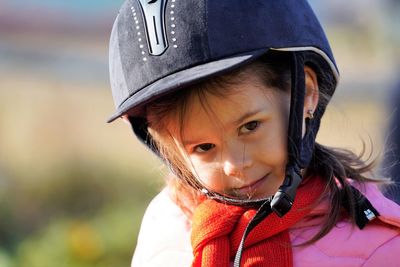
139	126
262	213
283	199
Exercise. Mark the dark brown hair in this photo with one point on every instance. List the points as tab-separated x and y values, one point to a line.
336	166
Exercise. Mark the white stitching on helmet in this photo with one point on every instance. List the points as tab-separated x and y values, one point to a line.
138	33
173	25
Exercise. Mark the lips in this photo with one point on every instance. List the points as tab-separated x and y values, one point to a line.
251	188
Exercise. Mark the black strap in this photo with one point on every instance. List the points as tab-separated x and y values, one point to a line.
283	199
139	126
298	92
364	211
261	214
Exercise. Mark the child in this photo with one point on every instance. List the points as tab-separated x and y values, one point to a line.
230	95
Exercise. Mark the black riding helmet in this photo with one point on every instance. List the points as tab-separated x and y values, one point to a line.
160	46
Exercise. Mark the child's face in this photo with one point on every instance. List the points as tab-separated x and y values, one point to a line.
236	144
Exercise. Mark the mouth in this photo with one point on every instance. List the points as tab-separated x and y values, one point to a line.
250	189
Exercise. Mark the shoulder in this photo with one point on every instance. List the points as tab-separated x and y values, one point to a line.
386	253
164	236
347	245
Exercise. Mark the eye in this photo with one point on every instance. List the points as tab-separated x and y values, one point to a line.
249	127
203	147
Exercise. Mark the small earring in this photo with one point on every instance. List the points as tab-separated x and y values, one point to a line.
310	114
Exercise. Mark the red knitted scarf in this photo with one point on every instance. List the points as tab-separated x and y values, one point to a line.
218	228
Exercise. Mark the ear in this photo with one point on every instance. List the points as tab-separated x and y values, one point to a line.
312	93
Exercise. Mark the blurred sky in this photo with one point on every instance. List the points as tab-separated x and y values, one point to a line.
62	34
73	5
85	7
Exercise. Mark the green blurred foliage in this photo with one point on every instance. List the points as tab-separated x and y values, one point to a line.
89	216
107	239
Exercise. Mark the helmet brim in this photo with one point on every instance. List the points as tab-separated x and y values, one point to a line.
181	79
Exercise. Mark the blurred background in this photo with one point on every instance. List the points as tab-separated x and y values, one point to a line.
73	188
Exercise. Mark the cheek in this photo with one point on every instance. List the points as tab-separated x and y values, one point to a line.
273	144
278	147
209	174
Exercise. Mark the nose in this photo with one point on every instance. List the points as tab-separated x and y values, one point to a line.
236	161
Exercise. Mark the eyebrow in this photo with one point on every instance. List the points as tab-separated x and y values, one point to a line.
240	120
187	143
247	115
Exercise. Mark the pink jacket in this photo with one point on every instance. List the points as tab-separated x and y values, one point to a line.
164	237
